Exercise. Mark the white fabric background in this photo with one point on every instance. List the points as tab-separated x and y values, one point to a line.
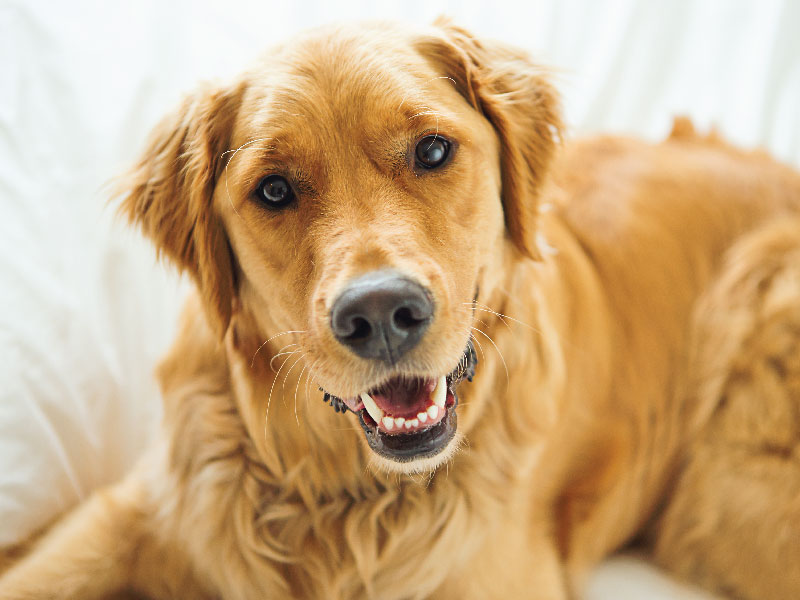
84	309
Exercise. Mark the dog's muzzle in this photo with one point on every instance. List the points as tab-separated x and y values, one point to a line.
405	419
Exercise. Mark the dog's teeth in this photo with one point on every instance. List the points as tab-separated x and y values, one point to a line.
399	422
412	424
423	416
433	411
388	423
440	393
372	408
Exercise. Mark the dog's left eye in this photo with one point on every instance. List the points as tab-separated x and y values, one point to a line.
432	151
275	191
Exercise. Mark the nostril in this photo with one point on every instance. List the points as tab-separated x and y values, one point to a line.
404	319
361	329
381	315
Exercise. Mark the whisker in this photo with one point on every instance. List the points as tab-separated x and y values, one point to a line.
297	387
308	380
399	106
480	347
481	321
283	385
483	307
271	388
436	133
446	77
494	313
269	340
289	345
424	112
508	380
282	354
489	309
235	152
402	101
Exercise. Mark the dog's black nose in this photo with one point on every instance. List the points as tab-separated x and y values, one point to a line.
381	315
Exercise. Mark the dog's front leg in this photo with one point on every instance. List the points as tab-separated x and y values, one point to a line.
87	555
510	565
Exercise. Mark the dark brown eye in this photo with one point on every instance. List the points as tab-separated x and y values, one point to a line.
275	191
432	151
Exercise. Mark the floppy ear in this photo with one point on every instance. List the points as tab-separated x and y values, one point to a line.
169	194
504	85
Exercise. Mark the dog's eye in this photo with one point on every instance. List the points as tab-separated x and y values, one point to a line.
432	151
275	191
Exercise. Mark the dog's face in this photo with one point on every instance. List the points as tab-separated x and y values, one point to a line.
356	193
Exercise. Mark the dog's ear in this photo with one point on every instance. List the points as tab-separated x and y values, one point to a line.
504	85
169	194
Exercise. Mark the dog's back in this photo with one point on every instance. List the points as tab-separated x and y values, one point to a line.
665	228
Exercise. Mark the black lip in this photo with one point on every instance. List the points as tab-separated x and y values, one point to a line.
405	447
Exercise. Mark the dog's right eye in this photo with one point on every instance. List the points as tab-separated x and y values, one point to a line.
275	191
432	151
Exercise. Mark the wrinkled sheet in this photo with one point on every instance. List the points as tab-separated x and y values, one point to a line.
85	310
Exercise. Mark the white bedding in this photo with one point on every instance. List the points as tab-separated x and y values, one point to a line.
84	309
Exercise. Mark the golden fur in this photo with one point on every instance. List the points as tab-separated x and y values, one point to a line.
642	383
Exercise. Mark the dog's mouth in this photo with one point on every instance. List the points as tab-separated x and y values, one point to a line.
407	418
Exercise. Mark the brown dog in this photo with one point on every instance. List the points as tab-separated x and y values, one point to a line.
372	211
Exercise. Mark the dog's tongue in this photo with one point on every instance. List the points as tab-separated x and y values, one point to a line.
404	398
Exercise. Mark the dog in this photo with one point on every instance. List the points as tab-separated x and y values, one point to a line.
438	351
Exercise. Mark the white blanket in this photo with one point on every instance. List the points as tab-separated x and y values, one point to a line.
84	309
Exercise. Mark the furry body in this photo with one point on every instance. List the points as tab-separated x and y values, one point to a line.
643	379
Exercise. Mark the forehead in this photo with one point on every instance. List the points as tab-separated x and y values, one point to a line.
345	83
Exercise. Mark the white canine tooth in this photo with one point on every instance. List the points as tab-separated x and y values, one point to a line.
414	423
399	421
409	424
423	416
433	411
372	408
388	422
440	393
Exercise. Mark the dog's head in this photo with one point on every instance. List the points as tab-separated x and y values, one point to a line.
359	190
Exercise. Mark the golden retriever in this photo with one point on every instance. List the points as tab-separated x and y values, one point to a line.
531	352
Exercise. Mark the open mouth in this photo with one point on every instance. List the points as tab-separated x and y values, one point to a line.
406	418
